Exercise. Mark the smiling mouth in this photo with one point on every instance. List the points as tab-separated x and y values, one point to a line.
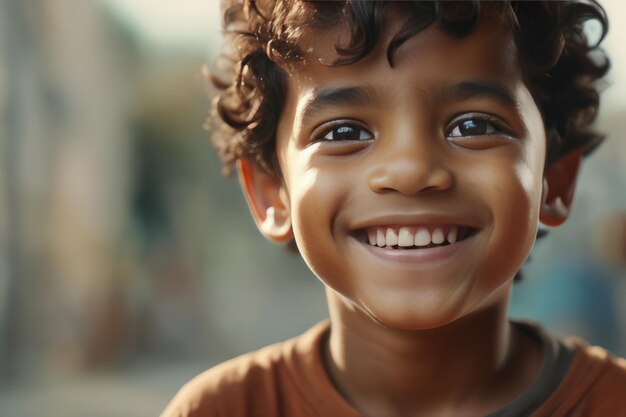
415	237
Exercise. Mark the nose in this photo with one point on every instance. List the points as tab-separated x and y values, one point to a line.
411	166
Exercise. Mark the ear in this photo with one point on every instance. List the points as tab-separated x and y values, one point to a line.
559	182
267	200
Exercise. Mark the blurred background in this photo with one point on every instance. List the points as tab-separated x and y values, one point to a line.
129	264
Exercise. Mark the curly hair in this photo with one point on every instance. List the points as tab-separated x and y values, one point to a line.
560	66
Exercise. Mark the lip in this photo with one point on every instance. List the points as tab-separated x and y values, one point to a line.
418	219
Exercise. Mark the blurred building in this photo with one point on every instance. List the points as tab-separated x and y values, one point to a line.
63	204
95	162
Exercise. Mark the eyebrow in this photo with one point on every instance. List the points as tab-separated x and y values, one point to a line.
480	88
322	98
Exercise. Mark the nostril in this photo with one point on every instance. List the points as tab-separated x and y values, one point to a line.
409	178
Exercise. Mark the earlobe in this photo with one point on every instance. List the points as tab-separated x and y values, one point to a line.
558	189
267	200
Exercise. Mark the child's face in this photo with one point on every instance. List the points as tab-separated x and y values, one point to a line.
447	140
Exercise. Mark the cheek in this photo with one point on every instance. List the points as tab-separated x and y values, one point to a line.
307	208
315	199
515	201
312	202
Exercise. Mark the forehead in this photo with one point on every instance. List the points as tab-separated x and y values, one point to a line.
429	60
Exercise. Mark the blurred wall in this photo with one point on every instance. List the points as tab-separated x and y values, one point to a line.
65	171
93	144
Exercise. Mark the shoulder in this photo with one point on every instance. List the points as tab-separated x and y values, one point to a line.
606	372
248	382
212	392
594	386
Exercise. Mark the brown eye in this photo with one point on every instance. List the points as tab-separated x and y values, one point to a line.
475	125
472	127
346	132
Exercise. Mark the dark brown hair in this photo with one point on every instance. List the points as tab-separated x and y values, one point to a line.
560	66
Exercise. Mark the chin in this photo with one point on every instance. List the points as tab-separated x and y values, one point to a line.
413	317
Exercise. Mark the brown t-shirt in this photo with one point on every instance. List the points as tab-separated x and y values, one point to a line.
289	379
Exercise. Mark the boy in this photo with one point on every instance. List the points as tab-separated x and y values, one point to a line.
409	150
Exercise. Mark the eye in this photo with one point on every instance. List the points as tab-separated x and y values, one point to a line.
344	132
478	124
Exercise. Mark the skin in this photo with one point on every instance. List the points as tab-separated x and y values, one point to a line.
419	331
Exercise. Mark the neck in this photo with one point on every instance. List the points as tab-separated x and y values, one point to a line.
472	366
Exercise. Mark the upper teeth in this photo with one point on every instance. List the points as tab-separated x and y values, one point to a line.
411	236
